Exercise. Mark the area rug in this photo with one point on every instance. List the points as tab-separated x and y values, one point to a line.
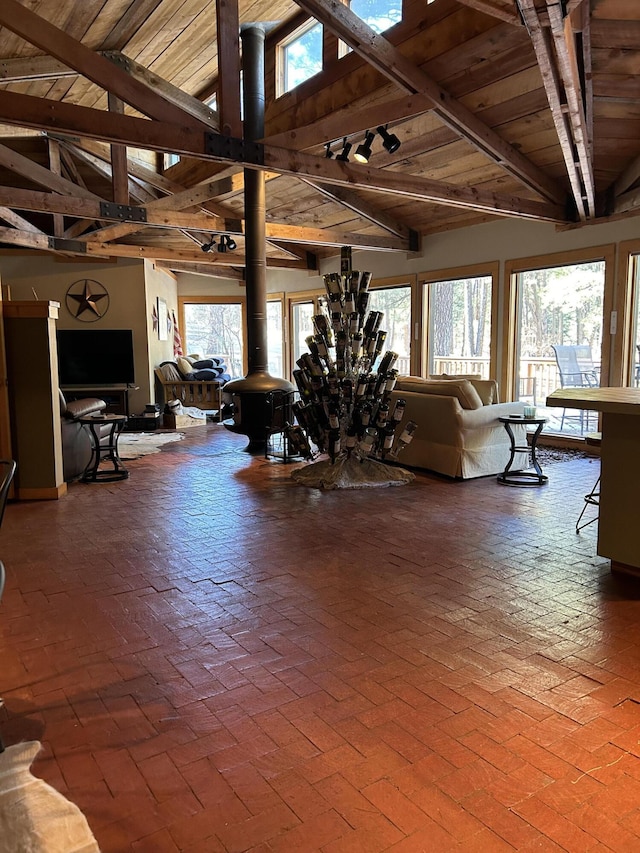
133	445
34	817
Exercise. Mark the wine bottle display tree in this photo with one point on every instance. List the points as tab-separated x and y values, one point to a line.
345	383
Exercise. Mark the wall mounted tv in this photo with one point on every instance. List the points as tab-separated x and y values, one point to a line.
95	356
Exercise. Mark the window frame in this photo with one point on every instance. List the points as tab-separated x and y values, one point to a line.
509	336
490	269
215	300
410	280
280	54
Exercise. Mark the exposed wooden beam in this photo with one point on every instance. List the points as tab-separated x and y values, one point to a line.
628	178
18	221
119	173
351	200
543	47
210	270
234	259
39	32
26	111
390	62
138	193
564	39
187	103
55	164
27	69
495	10
22	165
228	92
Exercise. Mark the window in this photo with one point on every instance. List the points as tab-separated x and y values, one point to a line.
169	159
300	56
459	321
275	339
559	338
378	14
215	328
395	304
459	326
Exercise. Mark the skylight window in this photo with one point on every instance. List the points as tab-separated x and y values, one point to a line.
301	55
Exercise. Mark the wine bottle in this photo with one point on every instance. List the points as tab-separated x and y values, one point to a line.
365	415
398	410
382	416
406	436
351	440
334	444
368	441
387	439
387	361
392	377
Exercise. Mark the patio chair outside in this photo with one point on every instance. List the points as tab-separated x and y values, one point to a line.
577	370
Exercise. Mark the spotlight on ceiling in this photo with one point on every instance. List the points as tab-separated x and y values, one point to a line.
344	154
328	153
208	247
363	151
226	243
390	141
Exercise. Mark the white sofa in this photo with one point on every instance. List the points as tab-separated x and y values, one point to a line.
458	433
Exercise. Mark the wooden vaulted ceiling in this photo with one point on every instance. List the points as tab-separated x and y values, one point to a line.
504	108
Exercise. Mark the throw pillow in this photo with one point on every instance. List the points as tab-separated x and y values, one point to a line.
170	372
460	388
184	365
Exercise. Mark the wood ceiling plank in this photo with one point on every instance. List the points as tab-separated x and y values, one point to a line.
504	12
394	65
58	44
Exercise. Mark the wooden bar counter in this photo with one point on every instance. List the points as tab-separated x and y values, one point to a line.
618	527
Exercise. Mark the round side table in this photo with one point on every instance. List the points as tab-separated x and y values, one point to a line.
521	477
108	450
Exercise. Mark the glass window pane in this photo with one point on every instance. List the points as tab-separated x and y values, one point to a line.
274	338
560	339
459	326
302	326
395	303
302	57
378	14
216	329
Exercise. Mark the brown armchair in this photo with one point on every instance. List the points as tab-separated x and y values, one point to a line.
76	441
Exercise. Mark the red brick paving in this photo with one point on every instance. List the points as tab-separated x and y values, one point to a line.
218	660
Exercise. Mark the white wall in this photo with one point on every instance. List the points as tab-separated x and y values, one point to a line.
500	240
133	287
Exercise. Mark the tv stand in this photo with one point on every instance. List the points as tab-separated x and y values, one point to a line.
115	396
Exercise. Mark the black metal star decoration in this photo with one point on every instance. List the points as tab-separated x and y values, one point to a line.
86	298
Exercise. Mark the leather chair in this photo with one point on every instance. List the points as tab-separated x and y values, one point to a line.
76	440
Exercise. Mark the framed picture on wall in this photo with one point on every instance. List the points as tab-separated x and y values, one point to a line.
163	320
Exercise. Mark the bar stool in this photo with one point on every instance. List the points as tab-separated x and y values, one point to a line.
594	439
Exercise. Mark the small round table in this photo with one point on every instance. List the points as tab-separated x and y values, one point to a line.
107	450
520	477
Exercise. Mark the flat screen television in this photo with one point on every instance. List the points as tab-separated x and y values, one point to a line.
95	356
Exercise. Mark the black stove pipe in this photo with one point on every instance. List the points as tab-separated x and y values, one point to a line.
250	394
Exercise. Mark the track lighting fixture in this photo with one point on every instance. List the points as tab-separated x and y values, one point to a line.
363	151
390	141
207	247
227	243
344	154
328	153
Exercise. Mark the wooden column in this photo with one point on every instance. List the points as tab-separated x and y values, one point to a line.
34	407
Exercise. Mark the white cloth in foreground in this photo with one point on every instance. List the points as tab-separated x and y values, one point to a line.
34	817
351	473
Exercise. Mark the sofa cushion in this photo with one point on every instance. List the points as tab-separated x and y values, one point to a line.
487	388
466	394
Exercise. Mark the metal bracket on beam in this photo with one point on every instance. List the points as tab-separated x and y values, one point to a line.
414	241
62	244
232	148
123	212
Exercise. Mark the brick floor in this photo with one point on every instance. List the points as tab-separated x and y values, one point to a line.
217	659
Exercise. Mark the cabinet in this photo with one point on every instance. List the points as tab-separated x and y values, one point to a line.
115	396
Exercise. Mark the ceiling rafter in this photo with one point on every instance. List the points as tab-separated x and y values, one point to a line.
561	83
495	9
390	62
101	71
27	111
